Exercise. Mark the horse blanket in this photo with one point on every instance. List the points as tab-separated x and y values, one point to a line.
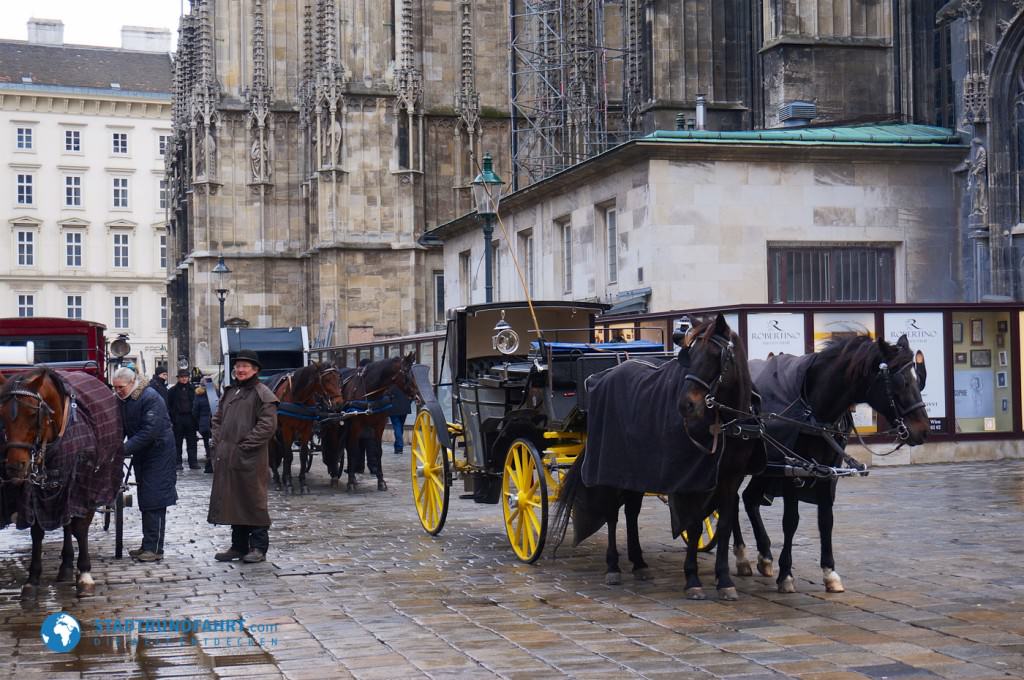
84	468
635	435
780	383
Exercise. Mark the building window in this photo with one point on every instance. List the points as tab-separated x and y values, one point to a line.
161	144
526	253
831	274
24	189
119	143
439	309
25	138
26	248
163	194
163	251
72	140
120	192
73	248
611	227
121	312
163	313
26	305
73	191
465	274
566	230
74	306
121	251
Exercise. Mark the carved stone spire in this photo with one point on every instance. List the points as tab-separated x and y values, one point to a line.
975	92
327	94
467	100
258	97
408	79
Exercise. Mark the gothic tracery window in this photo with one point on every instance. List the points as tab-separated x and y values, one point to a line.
1018	128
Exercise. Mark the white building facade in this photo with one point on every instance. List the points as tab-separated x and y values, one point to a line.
82	136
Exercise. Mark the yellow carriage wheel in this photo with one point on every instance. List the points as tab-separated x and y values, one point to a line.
524	500
431	476
709	533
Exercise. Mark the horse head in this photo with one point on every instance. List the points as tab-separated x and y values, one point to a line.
717	375
895	389
330	383
31	413
403	379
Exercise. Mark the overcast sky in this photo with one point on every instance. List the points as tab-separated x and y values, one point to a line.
91	22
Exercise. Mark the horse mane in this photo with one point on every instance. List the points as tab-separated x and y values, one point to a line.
305	378
379	372
860	353
17	381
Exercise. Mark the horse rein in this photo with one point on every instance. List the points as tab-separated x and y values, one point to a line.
44	417
711	402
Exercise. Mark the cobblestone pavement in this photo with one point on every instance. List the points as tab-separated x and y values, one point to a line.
931	557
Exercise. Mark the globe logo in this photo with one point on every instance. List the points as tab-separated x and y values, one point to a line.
61	632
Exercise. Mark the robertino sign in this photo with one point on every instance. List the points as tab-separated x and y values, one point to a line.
925	332
775	333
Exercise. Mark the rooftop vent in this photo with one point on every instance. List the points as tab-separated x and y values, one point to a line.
26	79
116	86
46	31
797	113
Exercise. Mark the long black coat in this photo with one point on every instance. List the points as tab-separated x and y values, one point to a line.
151	446
201	411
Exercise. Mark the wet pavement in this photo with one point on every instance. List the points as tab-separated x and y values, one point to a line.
930	556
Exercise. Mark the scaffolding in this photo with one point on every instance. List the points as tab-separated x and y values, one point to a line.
569	86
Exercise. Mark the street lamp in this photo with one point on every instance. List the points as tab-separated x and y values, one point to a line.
222	293
486	195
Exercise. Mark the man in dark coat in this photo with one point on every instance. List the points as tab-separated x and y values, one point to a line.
179	404
202	417
150	444
401	406
159	382
245	422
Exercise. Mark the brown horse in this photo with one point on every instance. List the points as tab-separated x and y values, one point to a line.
301	393
63	457
367	406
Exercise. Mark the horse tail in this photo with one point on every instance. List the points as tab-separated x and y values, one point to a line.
571	484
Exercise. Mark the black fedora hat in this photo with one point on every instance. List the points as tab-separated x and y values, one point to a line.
248	355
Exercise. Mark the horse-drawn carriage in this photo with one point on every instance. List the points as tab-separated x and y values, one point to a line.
511	419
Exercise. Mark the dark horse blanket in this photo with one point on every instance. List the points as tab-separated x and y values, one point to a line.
635	435
84	468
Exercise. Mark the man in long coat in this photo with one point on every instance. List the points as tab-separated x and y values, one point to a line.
243	426
151	446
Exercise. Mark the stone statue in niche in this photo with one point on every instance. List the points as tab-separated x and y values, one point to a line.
258	158
977	181
335	159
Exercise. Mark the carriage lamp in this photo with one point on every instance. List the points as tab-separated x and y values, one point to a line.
505	339
221	270
486	196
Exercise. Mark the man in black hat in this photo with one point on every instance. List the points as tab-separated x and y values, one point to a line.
159	382
245	422
180	399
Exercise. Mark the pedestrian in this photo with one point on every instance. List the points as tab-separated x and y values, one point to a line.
401	407
159	382
150	446
179	403
244	424
202	417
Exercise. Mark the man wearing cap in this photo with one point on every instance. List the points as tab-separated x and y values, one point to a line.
180	399
243	426
159	382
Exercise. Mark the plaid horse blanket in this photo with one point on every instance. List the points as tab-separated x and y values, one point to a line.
635	435
84	468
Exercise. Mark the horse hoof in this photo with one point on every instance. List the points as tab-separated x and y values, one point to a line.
65	575
833	584
351	486
382	485
764	566
696	593
787	585
744	569
334	482
729	594
86	589
613	578
643	574
29	592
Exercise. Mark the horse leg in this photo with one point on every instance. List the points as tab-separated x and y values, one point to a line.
80	528
790	522
67	558
694	590
303	454
378	453
833	583
739	547
613	575
275	458
634	501
352	451
35	569
752	503
286	467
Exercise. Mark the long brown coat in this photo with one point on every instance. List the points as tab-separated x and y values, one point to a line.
245	421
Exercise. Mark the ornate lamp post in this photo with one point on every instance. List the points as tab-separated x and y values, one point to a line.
486	195
221	270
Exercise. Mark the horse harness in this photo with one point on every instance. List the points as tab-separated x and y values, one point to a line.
44	416
300	410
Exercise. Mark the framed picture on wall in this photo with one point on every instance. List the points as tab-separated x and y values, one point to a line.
1002	326
1001	379
977	332
960	357
1004	359
981	358
1006	404
1000	340
958	332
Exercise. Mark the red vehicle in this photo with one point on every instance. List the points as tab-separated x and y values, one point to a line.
66	344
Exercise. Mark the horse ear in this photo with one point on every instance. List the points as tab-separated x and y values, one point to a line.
409	358
903	343
721	325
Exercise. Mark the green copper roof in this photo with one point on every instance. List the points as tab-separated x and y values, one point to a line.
886	134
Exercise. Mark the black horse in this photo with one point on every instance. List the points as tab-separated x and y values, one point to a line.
711	391
822	387
366	405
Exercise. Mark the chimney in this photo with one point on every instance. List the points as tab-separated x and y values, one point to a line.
143	39
46	31
701	109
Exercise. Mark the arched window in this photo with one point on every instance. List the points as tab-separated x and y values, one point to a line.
1018	126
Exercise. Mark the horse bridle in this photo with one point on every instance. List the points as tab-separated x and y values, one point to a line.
902	431
711	402
37	449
